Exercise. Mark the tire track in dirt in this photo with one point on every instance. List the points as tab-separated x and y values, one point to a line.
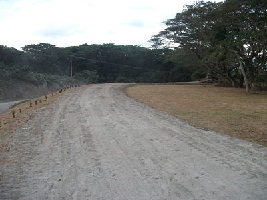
97	143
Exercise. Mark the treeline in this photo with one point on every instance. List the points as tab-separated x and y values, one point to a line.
99	63
226	41
229	38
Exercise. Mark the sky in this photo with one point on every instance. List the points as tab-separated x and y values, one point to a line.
75	22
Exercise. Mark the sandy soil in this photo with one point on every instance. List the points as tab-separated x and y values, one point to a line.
23	113
97	143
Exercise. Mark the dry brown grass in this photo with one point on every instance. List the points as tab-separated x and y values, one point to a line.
9	124
225	110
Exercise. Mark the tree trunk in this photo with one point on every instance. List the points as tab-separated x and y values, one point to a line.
244	75
233	83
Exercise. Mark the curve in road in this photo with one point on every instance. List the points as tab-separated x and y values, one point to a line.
97	143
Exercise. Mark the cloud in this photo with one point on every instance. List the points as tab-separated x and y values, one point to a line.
58	32
68	22
136	23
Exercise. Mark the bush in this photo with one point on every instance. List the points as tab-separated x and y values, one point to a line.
13	71
198	75
87	76
261	82
33	77
123	79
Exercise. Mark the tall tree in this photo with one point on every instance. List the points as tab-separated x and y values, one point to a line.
229	38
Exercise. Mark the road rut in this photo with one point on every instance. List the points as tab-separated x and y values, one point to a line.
97	143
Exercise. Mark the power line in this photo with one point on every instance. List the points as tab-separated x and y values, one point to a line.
106	62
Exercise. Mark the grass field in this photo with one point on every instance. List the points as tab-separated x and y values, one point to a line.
225	110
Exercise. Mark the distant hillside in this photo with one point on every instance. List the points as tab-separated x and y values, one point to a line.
17	89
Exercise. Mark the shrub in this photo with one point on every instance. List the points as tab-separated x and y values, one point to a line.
87	76
198	75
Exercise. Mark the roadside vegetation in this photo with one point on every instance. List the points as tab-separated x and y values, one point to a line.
98	64
229	38
224	41
225	110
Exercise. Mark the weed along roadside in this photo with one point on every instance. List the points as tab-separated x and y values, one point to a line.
224	110
21	112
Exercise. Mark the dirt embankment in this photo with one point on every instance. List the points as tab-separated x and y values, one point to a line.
12	90
22	111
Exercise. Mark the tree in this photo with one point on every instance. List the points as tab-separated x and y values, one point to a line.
229	38
247	36
47	58
87	76
194	32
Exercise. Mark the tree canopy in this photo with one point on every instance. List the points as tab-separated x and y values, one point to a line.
226	41
101	63
229	38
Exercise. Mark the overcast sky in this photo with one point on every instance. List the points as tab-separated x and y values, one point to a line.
75	22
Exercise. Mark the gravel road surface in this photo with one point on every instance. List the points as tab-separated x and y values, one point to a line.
97	143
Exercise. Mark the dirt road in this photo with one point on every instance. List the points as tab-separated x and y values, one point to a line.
96	143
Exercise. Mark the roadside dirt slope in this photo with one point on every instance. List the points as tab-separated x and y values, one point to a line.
97	143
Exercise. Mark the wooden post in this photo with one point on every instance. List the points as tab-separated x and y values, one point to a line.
30	103
45	97
71	67
13	114
35	102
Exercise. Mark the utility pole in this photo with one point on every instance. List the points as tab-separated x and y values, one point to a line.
70	66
